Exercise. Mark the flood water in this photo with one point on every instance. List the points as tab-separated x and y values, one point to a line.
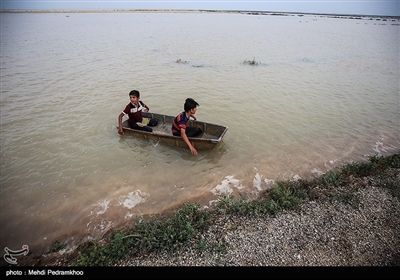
324	92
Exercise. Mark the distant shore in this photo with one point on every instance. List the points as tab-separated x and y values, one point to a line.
270	13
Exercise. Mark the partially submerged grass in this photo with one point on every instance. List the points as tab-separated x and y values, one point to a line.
284	196
58	246
181	61
252	62
166	234
153	235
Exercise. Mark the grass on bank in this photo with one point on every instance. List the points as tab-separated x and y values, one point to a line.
160	234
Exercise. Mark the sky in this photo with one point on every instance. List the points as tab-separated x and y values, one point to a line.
346	7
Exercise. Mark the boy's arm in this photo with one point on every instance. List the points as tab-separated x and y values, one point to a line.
120	130
186	139
145	106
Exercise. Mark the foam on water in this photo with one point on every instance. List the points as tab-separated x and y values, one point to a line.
132	199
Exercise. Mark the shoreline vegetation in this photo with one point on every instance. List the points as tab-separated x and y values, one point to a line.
355	205
259	13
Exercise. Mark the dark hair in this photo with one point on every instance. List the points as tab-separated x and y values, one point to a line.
190	104
135	93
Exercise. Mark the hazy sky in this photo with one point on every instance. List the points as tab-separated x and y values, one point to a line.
364	7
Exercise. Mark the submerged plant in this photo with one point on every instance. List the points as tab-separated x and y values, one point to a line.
181	61
251	62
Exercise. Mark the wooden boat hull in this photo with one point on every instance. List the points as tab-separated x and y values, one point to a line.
212	133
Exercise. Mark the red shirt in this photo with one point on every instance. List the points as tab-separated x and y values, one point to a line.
134	113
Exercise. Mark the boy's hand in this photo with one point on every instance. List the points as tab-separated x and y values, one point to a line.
120	131
193	150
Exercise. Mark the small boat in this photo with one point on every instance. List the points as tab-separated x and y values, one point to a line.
211	136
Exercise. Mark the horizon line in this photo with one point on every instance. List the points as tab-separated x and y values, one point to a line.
190	10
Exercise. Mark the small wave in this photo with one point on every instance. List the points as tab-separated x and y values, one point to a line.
132	199
225	188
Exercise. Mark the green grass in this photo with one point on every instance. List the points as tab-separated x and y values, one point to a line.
58	246
348	198
154	235
184	227
392	183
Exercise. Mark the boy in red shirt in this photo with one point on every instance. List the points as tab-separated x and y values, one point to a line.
134	111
